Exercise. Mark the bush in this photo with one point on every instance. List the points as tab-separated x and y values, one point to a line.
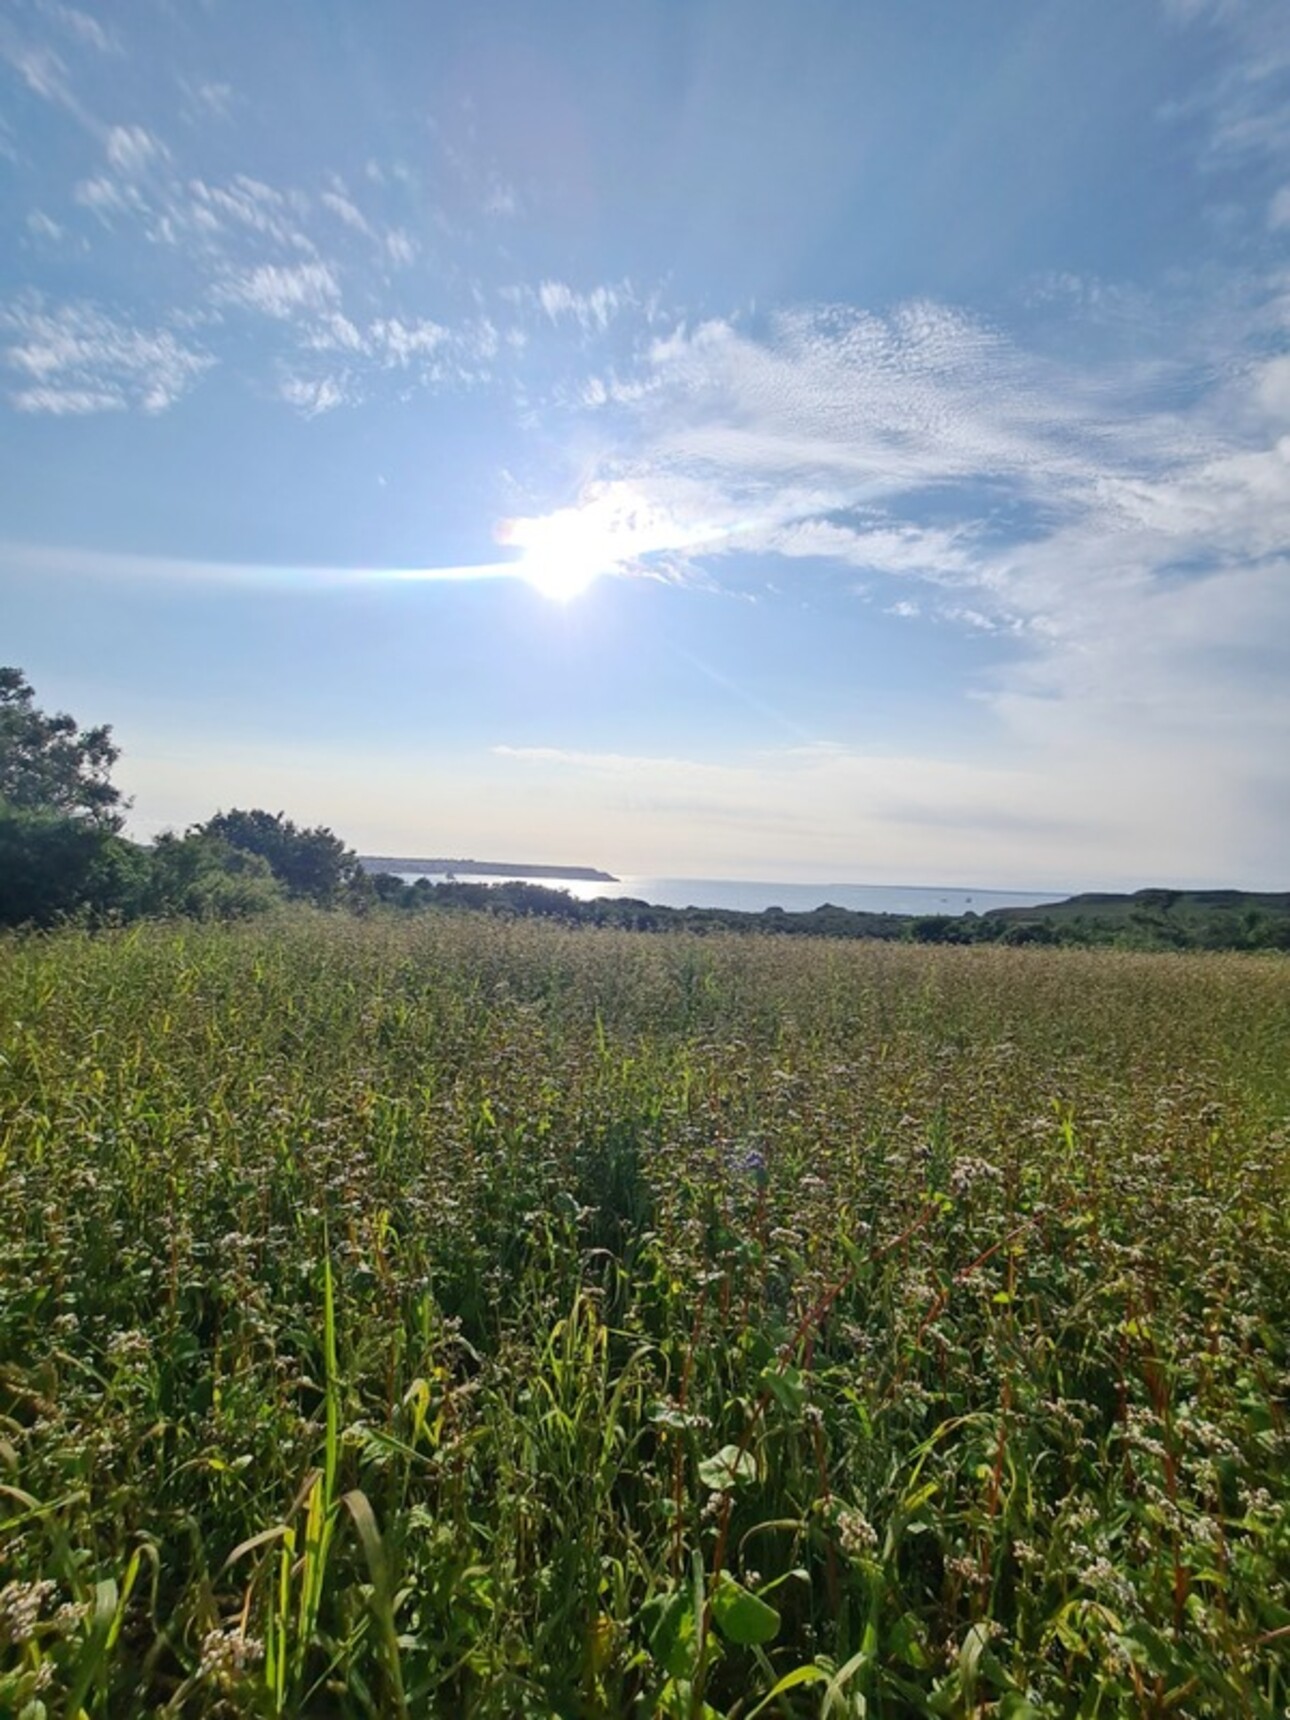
207	879
53	866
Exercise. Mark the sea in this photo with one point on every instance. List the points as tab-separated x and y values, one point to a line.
754	897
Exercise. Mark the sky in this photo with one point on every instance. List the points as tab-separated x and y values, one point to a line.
837	441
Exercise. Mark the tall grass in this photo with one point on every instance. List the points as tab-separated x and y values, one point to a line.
470	1319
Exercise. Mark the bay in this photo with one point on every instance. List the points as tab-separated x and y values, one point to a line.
754	897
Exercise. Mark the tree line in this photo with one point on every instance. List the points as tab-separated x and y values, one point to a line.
63	857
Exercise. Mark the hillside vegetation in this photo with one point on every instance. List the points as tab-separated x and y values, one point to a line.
435	1315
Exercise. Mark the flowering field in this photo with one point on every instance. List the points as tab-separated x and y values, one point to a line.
461	1318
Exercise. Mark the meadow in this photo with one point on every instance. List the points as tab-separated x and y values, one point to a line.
445	1316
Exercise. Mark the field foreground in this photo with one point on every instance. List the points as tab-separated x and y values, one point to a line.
461	1318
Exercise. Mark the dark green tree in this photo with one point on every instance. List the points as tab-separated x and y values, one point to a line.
49	764
311	865
60	854
53	867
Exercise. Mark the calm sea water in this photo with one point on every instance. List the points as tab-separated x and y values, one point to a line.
753	897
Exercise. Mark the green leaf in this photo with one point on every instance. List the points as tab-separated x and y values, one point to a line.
786	1386
727	1468
969	1660
670	1630
790	1681
94	1647
740	1616
906	1642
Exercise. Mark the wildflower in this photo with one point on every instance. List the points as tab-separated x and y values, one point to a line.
1102	1576
69	1618
227	1653
749	1161
128	1346
966	1173
21	1607
856	1533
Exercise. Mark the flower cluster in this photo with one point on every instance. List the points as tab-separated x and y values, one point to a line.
22	1606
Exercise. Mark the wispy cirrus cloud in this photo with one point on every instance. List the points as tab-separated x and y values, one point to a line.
77	359
40	68
591	309
346	210
1246	101
82	27
207	100
133	150
311	397
27	47
282	291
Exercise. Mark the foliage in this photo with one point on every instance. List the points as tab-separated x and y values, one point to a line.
53	867
443	1315
205	878
48	764
1149	920
311	865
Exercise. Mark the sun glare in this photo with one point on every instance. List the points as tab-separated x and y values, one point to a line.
564	552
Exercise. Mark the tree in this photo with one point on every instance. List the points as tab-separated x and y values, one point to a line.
53	867
208	879
311	864
48	764
60	853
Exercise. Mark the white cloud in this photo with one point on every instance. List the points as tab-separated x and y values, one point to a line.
1122	522
39	67
1247	100
107	197
66	402
243	205
311	398
401	343
346	211
208	100
400	247
133	150
77	359
282	291
879	544
336	333
43	226
82	28
593	311
501	200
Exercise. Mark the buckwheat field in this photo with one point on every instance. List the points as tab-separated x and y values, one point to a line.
452	1317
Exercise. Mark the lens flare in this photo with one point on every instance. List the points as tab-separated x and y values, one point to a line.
563	552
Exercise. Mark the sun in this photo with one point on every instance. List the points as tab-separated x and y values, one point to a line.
563	552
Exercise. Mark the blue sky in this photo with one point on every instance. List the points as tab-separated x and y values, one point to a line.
830	441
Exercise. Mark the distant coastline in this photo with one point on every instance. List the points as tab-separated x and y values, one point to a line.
482	869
